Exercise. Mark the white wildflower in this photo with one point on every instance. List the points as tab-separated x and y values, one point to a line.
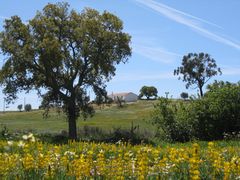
21	144
30	135
10	143
25	137
33	139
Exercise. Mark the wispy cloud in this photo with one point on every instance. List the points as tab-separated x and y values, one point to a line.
156	53
188	20
138	76
149	48
186	14
230	71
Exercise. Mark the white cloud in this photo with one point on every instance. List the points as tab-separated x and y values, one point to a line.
188	20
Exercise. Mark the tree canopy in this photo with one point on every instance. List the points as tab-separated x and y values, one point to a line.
28	107
20	106
197	69
148	92
65	53
184	95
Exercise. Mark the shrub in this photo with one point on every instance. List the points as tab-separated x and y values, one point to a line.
208	118
224	107
133	135
171	120
202	119
4	132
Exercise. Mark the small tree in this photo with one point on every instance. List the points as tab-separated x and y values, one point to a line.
148	92
28	107
167	93
197	69
20	106
184	95
119	101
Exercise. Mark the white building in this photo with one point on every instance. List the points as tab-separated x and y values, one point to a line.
127	97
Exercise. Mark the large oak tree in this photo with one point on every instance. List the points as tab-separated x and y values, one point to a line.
65	53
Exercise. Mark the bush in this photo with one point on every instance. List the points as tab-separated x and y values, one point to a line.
132	135
208	118
224	107
202	119
4	132
172	121
28	107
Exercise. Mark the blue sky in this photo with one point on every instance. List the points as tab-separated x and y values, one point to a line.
162	32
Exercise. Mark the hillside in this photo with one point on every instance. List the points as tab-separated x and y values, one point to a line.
105	118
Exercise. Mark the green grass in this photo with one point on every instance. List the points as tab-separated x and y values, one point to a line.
105	118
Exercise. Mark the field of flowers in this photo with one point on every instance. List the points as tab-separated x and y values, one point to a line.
31	159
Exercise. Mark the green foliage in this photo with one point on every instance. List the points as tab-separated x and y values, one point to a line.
4	132
148	92
197	69
208	118
28	107
20	106
172	121
224	101
63	52
132	135
201	119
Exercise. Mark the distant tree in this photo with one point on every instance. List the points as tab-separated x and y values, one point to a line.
28	107
148	92
184	95
197	69
20	106
109	100
65	53
167	93
99	100
119	101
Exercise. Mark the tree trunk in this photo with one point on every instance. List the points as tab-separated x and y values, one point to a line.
201	91
200	86
72	126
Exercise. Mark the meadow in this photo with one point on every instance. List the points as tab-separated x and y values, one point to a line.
106	118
